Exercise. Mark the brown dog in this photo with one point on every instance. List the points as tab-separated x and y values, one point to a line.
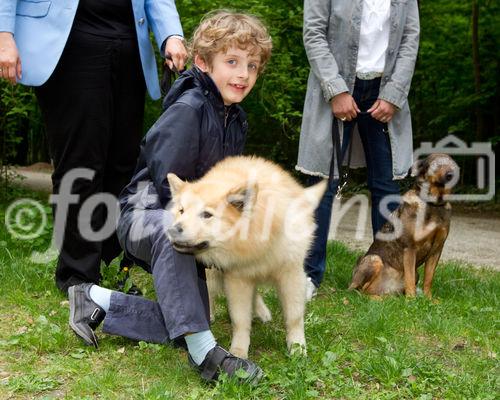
415	234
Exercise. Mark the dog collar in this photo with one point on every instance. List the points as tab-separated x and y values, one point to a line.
439	204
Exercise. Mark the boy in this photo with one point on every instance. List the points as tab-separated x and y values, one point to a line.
201	124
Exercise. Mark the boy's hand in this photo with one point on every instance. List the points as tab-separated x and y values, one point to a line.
344	107
10	63
175	53
382	110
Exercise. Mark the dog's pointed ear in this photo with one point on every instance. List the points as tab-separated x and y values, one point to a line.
417	168
243	197
175	183
315	193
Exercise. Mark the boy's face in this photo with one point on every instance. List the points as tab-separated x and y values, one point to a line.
233	72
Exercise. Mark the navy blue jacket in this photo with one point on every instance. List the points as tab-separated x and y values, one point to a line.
194	132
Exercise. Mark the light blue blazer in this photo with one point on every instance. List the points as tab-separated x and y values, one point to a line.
41	29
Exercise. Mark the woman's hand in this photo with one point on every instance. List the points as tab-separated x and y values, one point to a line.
10	63
175	53
382	110
344	107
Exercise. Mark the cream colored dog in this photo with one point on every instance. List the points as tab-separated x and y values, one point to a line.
253	222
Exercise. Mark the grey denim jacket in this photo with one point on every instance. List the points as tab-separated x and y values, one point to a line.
331	40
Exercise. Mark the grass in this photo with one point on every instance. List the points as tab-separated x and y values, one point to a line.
357	348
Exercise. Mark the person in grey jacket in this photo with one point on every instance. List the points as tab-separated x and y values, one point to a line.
362	55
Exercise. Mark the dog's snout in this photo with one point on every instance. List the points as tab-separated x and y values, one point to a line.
175	230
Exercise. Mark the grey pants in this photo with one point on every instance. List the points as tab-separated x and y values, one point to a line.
181	290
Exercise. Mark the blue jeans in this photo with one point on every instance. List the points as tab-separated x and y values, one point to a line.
377	148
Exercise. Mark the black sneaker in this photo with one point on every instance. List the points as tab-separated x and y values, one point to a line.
84	315
219	360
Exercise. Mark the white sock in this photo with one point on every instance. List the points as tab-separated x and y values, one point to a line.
199	344
101	296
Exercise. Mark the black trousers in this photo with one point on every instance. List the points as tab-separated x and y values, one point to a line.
93	108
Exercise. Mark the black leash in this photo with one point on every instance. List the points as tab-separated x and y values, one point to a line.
168	76
337	154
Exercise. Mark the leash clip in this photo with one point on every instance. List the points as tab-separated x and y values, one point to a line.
338	195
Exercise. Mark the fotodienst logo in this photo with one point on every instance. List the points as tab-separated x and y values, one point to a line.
26	219
485	164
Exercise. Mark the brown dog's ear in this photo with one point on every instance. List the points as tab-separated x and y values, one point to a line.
243	197
417	168
175	183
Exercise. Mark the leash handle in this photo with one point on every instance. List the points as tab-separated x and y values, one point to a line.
168	76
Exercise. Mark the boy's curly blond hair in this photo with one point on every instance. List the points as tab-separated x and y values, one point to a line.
221	29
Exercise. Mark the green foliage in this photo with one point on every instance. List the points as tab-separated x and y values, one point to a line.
442	99
16	102
18	116
113	276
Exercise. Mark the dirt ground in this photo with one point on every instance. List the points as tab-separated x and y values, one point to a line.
474	238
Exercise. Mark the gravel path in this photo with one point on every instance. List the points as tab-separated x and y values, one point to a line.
474	240
471	239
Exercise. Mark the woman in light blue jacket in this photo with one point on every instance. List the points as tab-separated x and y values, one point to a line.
91	62
362	55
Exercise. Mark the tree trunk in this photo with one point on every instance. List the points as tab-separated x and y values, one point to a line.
477	71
